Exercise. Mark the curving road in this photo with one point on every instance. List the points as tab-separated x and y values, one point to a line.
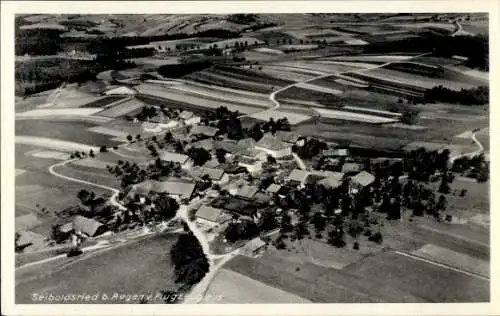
113	198
472	153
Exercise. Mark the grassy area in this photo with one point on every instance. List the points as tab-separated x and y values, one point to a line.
123	270
102	102
70	131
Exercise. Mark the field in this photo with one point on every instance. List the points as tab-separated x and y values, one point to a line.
121	269
66	131
122	109
230	287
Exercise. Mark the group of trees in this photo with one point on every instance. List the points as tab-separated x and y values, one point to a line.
199	155
179	70
311	148
128	173
422	164
473	96
190	263
475	167
475	48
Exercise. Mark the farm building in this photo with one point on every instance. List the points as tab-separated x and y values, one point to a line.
273	146
204	130
150	127
185	161
341	152
211	216
83	225
176	189
360	181
273	188
207	144
351	167
330	182
247	191
297	177
288	137
188	118
217	176
236	206
251	164
254	247
121	91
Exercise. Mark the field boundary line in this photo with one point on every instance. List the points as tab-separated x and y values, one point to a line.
442	265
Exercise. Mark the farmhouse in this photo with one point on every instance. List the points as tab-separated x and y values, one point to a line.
211	216
121	91
351	167
207	144
360	181
297	177
204	130
83	225
273	146
247	191
188	118
288	137
150	127
251	164
254	247
330	182
212	163
217	176
273	188
185	161
341	152
175	188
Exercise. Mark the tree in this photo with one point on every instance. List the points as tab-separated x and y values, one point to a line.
444	187
220	154
190	262
138	136
286	223
167	207
91	153
271	159
243	230
336	237
103	149
199	155
377	238
129	138
268	222
319	222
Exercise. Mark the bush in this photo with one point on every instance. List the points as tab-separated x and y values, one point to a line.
103	149
355	246
377	237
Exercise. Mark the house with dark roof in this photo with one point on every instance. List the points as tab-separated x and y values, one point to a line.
273	146
251	164
211	216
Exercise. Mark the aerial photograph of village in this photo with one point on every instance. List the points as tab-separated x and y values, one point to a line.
252	158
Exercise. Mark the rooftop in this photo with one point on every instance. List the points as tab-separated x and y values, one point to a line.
330	182
212	214
363	178
185	115
182	188
213	173
207	144
247	191
341	152
289	137
204	130
174	157
298	175
351	167
272	143
273	188
86	225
